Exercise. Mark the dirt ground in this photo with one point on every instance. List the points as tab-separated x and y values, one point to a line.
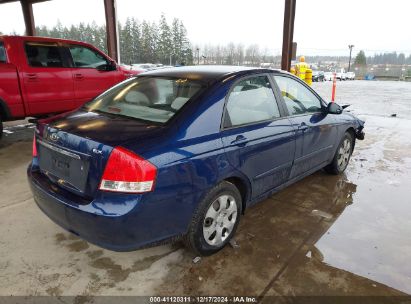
326	235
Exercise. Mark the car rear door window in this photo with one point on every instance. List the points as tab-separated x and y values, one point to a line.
44	55
2	52
251	100
84	57
298	98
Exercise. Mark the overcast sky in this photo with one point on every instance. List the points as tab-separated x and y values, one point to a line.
322	26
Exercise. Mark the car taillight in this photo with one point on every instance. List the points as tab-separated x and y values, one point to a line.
34	146
128	172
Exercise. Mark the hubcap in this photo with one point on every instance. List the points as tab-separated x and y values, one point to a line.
344	153
219	220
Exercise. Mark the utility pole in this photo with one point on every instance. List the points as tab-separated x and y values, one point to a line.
198	56
350	46
288	33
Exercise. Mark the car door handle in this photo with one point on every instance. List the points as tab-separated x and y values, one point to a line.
240	139
78	76
32	76
302	127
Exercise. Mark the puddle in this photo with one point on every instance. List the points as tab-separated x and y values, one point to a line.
323	214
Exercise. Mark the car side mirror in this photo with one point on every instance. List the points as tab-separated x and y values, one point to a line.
333	108
112	66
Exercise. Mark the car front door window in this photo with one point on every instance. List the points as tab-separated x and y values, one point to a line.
251	100
297	98
84	57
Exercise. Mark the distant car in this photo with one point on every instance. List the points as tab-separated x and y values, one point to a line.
143	66
328	76
318	76
341	76
350	75
182	152
125	66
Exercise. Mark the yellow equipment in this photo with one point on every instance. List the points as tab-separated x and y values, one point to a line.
303	71
308	77
301	68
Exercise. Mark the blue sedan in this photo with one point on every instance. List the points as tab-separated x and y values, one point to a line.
182	153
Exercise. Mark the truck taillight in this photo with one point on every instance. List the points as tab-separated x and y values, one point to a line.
128	172
34	146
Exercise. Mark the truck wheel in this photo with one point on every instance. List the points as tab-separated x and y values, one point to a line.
342	155
215	221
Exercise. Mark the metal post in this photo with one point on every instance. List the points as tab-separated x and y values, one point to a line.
334	87
288	33
111	29
349	61
27	8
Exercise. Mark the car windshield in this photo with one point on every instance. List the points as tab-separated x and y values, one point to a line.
154	99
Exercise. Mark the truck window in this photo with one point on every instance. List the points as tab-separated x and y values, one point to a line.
84	57
2	52
43	55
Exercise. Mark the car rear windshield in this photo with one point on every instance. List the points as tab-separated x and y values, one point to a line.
153	99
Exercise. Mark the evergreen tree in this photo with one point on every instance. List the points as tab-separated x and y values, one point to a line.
176	40
136	41
360	59
186	55
165	41
148	43
126	42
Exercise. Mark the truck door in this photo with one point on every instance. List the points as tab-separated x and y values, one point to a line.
47	81
89	79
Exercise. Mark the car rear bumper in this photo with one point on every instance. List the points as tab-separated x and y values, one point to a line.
124	224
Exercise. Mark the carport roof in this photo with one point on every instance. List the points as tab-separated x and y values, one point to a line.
29	1
111	23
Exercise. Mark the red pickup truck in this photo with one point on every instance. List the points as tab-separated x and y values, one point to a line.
41	76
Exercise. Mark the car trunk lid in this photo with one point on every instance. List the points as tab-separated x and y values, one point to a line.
73	149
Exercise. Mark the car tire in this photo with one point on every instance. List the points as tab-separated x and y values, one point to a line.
1	128
342	155
215	221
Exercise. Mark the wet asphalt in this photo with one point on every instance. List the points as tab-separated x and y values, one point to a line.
326	235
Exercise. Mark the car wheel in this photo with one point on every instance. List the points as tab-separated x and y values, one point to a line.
215	221
1	128
342	155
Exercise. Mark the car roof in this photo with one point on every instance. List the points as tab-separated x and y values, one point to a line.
44	39
206	73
